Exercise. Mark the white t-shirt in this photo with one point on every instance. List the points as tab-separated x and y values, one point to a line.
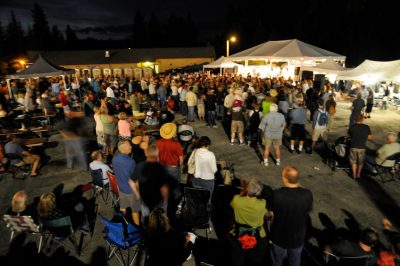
152	88
95	165
110	92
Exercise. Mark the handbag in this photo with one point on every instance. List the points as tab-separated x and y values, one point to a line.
191	163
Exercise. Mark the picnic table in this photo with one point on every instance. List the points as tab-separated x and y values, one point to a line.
38	130
33	142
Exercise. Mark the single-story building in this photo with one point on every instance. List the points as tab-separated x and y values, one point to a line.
131	62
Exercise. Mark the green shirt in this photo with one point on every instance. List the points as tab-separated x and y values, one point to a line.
250	211
265	107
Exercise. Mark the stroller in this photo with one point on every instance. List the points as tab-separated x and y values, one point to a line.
338	157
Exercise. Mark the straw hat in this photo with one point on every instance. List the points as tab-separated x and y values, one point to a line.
273	93
168	131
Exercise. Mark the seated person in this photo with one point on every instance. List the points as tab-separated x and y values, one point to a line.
249	211
185	133
364	247
13	146
48	210
394	239
165	245
165	116
391	147
98	163
20	205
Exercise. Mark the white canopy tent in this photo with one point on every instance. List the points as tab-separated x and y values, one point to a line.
293	52
221	63
373	71
40	68
329	66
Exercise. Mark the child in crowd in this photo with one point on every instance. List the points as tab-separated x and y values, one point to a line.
124	128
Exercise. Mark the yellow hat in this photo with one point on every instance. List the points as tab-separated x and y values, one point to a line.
168	131
273	93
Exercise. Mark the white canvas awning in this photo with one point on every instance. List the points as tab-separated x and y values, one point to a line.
222	62
286	50
329	66
373	71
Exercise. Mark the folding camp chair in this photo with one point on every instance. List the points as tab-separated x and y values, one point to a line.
333	260
196	209
19	170
124	240
18	224
98	186
387	173
113	190
59	230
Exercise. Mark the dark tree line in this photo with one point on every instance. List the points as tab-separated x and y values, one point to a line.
358	29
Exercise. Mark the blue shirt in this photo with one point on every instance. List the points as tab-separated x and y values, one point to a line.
124	166
15	148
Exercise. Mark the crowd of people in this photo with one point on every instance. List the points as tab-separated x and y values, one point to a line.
150	168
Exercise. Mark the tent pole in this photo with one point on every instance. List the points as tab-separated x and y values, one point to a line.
9	89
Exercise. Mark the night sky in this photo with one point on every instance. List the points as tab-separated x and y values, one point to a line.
99	13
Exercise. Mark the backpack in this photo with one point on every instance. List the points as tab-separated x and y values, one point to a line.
255	119
386	258
322	119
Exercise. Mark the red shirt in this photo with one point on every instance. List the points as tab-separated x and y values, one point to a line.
63	99
170	150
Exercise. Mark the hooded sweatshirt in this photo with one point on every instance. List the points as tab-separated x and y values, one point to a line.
205	164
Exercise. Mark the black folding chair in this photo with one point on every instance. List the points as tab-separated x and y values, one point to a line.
99	189
333	260
196	209
388	173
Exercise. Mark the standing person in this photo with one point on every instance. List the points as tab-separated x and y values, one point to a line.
220	102
124	128
205	166
171	152
124	167
298	118
201	106
110	130
191	100
237	124
272	126
330	107
290	206
356	109
228	101
320	121
99	127
211	105
255	117
359	134
182	99
370	103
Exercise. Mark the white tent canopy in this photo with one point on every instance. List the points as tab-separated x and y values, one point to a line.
222	62
286	50
372	71
329	66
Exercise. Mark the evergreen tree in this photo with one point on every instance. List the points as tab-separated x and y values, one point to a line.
14	36
139	30
41	30
1	41
56	38
71	39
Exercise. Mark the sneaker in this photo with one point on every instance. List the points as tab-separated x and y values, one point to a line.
265	163
215	126
291	150
232	142
241	143
278	163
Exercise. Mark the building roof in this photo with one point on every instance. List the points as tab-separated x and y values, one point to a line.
120	56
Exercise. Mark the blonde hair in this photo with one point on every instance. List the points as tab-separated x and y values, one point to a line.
47	204
273	107
122	116
19	201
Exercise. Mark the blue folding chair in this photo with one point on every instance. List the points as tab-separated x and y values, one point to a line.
122	237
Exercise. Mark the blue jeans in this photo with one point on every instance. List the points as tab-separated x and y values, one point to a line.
184	107
191	113
211	118
220	111
203	183
278	254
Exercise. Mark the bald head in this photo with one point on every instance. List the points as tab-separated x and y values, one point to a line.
290	175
